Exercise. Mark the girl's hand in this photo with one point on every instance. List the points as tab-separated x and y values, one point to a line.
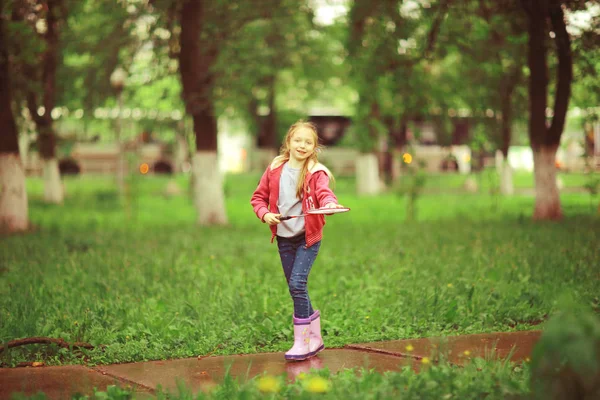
271	218
333	205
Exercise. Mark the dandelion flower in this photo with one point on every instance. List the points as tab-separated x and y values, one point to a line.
317	385
268	384
425	360
467	353
450	285
409	347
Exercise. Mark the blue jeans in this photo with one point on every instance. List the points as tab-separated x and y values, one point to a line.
297	261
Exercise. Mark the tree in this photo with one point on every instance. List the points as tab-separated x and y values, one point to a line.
37	66
13	194
272	71
204	29
544	17
490	39
389	48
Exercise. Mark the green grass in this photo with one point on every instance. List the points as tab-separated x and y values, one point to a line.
143	279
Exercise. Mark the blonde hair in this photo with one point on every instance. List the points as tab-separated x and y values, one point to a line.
284	153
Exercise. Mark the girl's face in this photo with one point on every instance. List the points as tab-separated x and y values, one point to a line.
302	144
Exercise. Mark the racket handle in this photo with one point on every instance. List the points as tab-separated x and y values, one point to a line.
284	218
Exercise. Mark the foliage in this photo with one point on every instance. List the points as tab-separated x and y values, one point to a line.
388	49
98	36
586	67
566	360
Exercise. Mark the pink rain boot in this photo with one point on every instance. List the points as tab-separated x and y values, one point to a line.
316	341
299	350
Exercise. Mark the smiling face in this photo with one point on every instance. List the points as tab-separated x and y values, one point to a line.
302	144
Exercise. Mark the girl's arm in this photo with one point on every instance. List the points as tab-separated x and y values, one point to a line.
323	193
260	197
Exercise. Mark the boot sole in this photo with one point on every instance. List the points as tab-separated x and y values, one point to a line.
297	358
314	353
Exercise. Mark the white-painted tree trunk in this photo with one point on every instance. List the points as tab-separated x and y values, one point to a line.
367	174
13	194
180	153
53	188
547	199
507	186
209	198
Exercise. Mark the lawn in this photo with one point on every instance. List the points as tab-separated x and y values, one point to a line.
139	276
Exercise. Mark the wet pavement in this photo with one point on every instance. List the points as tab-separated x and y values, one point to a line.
202	373
459	349
59	382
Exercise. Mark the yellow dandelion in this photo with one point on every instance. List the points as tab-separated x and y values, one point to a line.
268	384
450	285
409	347
467	353
127	337
317	384
367	317
425	360
407	158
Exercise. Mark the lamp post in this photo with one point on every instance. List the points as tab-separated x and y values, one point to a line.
117	81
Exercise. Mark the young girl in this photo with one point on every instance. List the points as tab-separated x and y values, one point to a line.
294	183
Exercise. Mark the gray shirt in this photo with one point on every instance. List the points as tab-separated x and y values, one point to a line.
288	203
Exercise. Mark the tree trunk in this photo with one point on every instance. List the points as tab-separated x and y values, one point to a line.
368	166
266	127
13	193
45	74
209	198
507	90
367	174
53	187
397	142
195	61
547	200
507	186
267	137
545	140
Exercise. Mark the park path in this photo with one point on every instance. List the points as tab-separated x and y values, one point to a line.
203	372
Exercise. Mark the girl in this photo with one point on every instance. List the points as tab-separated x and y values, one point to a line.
294	183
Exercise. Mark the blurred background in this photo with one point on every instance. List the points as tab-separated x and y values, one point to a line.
396	88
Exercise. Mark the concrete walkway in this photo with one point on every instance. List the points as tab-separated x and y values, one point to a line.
203	372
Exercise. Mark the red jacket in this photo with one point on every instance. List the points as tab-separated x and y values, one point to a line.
316	194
